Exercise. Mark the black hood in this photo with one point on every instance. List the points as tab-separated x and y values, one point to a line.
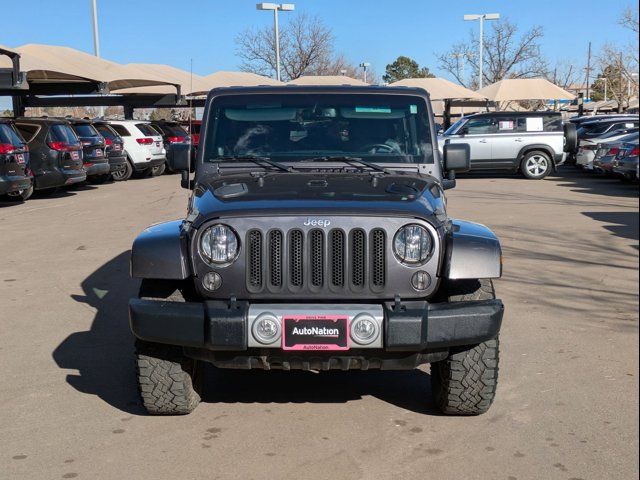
360	193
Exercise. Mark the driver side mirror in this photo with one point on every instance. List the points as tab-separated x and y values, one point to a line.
178	159
463	131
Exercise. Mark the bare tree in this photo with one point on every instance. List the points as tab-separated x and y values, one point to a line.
619	67
564	74
629	18
507	53
306	48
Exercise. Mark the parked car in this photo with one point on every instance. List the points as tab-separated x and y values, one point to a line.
172	133
119	167
599	127
316	241
16	179
607	152
626	162
94	159
193	127
532	143
55	152
610	116
588	147
142	143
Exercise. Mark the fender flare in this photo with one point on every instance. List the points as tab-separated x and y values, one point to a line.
473	252
160	251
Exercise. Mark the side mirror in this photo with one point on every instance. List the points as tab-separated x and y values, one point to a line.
178	157
462	131
457	157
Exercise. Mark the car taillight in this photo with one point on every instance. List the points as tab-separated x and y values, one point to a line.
58	146
613	151
635	152
145	140
195	137
176	139
6	148
108	141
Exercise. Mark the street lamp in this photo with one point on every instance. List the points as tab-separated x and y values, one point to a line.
364	66
285	7
482	17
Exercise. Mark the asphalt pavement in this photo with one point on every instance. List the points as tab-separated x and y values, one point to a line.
567	401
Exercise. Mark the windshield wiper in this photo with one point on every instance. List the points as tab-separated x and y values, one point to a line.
255	159
348	159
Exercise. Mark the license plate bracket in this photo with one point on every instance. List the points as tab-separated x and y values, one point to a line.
315	332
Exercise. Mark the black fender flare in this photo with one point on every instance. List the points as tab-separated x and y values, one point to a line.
160	251
543	147
473	252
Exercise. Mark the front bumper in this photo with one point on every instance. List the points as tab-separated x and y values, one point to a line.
14	183
412	327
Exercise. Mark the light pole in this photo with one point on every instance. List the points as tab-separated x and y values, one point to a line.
482	17
285	7
96	39
364	66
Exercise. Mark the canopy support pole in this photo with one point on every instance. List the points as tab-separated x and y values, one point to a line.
18	105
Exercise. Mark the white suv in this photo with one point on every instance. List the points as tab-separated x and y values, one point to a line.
143	144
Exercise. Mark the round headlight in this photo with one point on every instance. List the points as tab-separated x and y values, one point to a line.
219	244
412	244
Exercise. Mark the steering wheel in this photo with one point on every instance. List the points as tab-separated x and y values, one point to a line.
374	147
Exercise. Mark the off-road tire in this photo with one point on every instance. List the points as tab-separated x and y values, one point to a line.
169	382
536	165
158	170
123	174
465	382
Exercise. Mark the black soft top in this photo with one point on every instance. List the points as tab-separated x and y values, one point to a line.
515	114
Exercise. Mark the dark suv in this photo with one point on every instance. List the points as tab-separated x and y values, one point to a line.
55	152
119	167
317	238
16	179
172	134
95	160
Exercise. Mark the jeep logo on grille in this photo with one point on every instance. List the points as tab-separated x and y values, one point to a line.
317	222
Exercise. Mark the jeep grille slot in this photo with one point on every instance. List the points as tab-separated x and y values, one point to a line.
358	258
337	255
296	258
317	258
378	254
275	258
254	263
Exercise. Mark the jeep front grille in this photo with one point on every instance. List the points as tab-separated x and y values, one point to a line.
316	260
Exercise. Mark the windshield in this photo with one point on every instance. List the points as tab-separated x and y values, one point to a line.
455	126
380	128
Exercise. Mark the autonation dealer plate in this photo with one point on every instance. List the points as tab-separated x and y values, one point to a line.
319	332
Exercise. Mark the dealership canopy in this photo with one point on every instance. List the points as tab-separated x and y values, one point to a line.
237	79
514	89
326	80
47	66
440	89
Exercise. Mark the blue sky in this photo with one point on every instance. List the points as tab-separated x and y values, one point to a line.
173	32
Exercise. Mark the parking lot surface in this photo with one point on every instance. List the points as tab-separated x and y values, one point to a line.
567	402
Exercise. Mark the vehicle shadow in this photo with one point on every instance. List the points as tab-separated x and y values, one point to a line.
620	224
581	181
103	359
409	390
103	355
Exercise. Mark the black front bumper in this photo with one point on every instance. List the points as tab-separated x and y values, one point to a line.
415	326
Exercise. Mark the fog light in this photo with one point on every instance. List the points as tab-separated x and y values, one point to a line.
266	328
212	281
421	280
364	329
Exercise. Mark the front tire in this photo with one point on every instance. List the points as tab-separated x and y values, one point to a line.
169	382
536	165
465	382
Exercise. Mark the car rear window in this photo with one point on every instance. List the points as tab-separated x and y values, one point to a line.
63	133
9	135
28	131
121	130
106	132
85	130
147	130
171	130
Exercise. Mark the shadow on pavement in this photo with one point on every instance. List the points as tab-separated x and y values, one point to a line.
103	355
587	182
103	358
621	224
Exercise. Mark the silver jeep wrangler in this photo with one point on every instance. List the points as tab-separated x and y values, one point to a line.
534	143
